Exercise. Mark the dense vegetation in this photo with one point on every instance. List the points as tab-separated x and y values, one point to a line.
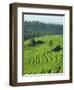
37	29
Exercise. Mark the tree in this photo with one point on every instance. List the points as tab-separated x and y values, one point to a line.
33	41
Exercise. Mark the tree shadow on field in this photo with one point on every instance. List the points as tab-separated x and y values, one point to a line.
56	49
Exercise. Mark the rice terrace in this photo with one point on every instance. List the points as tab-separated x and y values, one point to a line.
43	46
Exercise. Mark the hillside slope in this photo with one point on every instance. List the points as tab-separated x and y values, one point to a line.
43	55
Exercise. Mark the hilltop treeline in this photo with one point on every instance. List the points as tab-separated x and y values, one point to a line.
35	29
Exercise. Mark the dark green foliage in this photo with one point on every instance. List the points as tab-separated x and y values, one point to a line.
34	42
37	29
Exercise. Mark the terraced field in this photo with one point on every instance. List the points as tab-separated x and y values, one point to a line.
44	55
